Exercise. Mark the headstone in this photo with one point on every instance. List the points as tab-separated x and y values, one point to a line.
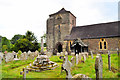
67	66
9	57
62	53
72	54
79	57
76	58
81	77
91	54
86	54
66	53
98	67
109	61
58	54
73	61
84	58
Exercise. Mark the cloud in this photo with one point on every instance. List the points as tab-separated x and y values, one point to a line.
18	16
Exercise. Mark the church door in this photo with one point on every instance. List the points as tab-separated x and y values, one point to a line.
59	48
77	49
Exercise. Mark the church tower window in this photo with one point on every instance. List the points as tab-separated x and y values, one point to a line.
102	44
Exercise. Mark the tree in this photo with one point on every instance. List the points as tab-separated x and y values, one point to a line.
15	38
30	36
6	42
23	45
26	43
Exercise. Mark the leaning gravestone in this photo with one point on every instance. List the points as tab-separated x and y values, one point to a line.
98	67
67	66
109	60
76	58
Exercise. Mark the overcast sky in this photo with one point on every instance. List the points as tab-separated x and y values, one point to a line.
18	16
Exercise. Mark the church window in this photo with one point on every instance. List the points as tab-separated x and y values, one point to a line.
102	44
72	22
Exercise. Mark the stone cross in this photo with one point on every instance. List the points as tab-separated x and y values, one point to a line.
91	54
24	73
76	58
67	66
98	67
42	45
109	61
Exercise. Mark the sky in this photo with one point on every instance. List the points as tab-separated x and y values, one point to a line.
18	16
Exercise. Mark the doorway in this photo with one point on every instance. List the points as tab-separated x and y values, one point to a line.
59	48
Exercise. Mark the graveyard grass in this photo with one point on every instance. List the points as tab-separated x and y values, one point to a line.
12	69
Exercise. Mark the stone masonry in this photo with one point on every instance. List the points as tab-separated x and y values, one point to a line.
59	25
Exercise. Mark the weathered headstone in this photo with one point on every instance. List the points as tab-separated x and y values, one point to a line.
91	54
84	57
98	67
9	57
73	61
79	57
109	60
67	66
76	58
58	54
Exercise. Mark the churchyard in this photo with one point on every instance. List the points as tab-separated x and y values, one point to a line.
78	65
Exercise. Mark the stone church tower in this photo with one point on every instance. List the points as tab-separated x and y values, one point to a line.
59	25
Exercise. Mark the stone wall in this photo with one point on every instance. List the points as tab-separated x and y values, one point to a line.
93	44
55	34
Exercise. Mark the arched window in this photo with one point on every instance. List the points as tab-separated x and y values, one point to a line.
102	44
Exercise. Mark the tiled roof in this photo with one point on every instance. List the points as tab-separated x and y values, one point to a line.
94	31
61	11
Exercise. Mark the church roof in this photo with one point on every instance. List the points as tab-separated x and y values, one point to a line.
102	30
61	11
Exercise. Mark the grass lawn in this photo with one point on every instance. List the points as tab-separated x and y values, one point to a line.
12	69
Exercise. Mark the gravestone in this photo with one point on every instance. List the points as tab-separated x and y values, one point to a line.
58	54
67	66
109	61
79	57
91	54
9	57
73	61
84	57
76	58
98	67
81	77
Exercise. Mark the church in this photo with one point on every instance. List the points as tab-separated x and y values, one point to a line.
63	35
